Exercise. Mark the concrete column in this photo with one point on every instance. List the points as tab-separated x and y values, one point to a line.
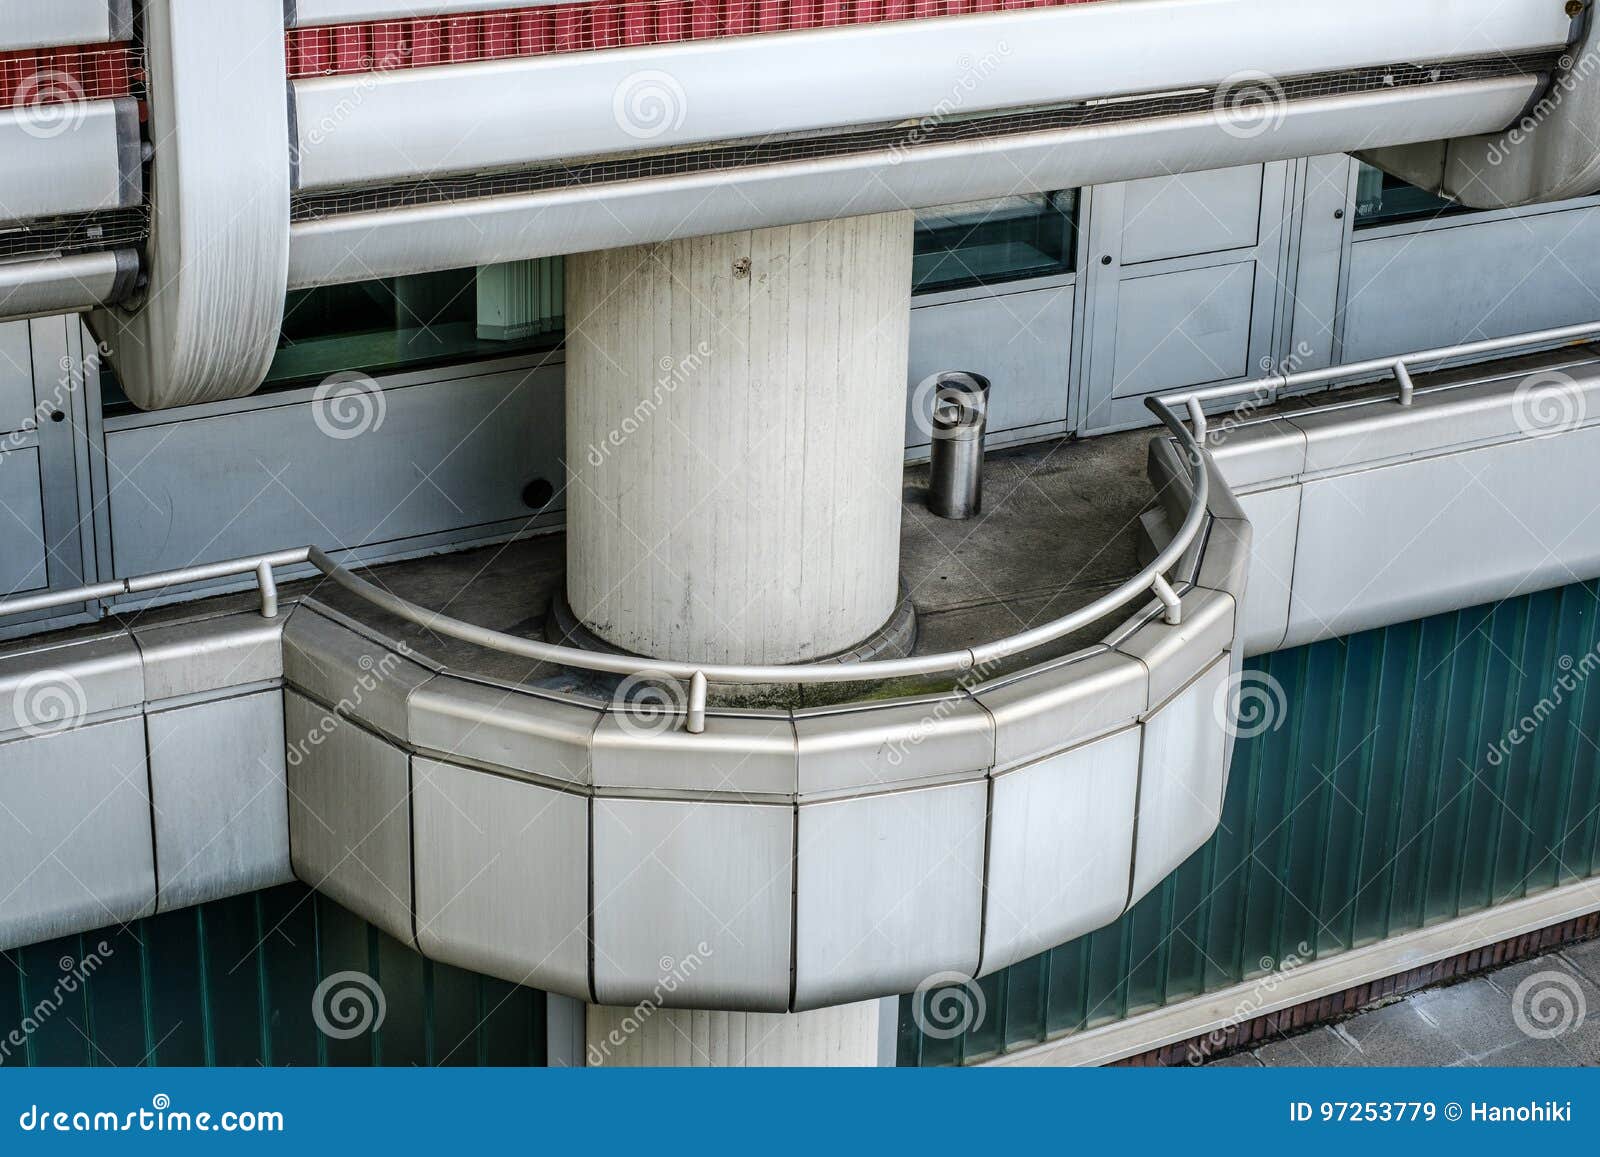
735	421
847	1035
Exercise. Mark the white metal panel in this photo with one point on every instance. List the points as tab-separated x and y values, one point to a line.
22	563
69	158
465	117
74	832
1182	775
57	23
306	13
1061	848
1200	213
502	874
217	789
1184	328
68	284
1275	526
360	246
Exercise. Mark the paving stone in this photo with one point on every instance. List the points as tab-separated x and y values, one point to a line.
1395	1035
1236	1061
1475	1015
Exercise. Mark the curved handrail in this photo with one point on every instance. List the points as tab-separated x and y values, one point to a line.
1151	579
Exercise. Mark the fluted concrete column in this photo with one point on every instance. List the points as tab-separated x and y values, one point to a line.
846	1035
735	417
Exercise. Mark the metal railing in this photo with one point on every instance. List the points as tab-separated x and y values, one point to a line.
1150	580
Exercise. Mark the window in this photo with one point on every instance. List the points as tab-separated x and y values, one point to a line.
401	323
989	242
1382	200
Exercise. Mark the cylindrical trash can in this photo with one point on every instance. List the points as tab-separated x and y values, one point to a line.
960	418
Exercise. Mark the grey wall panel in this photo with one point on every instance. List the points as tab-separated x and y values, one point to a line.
1473	527
1182	774
1275	527
1319	258
1413	290
74	832
432	459
217	786
1200	213
890	890
16	377
349	815
22	563
1061	840
1021	341
502	872
676	881
1184	328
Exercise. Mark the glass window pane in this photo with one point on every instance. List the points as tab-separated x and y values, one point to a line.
1382	199
989	242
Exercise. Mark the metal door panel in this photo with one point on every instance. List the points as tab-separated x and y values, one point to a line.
16	377
1183	329
1021	341
1197	213
23	561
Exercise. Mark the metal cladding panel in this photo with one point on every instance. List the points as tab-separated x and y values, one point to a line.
1061	848
1181	778
243	981
746	755
1275	531
48	23
1048	710
466	117
65	284
69	158
1366	559
892	745
692	903
509	729
207	655
350	672
1391	785
349	814
50	689
502	873
74	831
359	246
25	564
890	891
1174	655
217	793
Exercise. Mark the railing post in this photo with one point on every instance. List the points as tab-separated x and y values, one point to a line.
1197	415
1407	387
1169	600
697	704
269	590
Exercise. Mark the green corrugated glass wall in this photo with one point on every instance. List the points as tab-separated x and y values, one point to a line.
1417	773
233	982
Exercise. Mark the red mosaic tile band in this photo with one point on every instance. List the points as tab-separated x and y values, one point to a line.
45	76
417	42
